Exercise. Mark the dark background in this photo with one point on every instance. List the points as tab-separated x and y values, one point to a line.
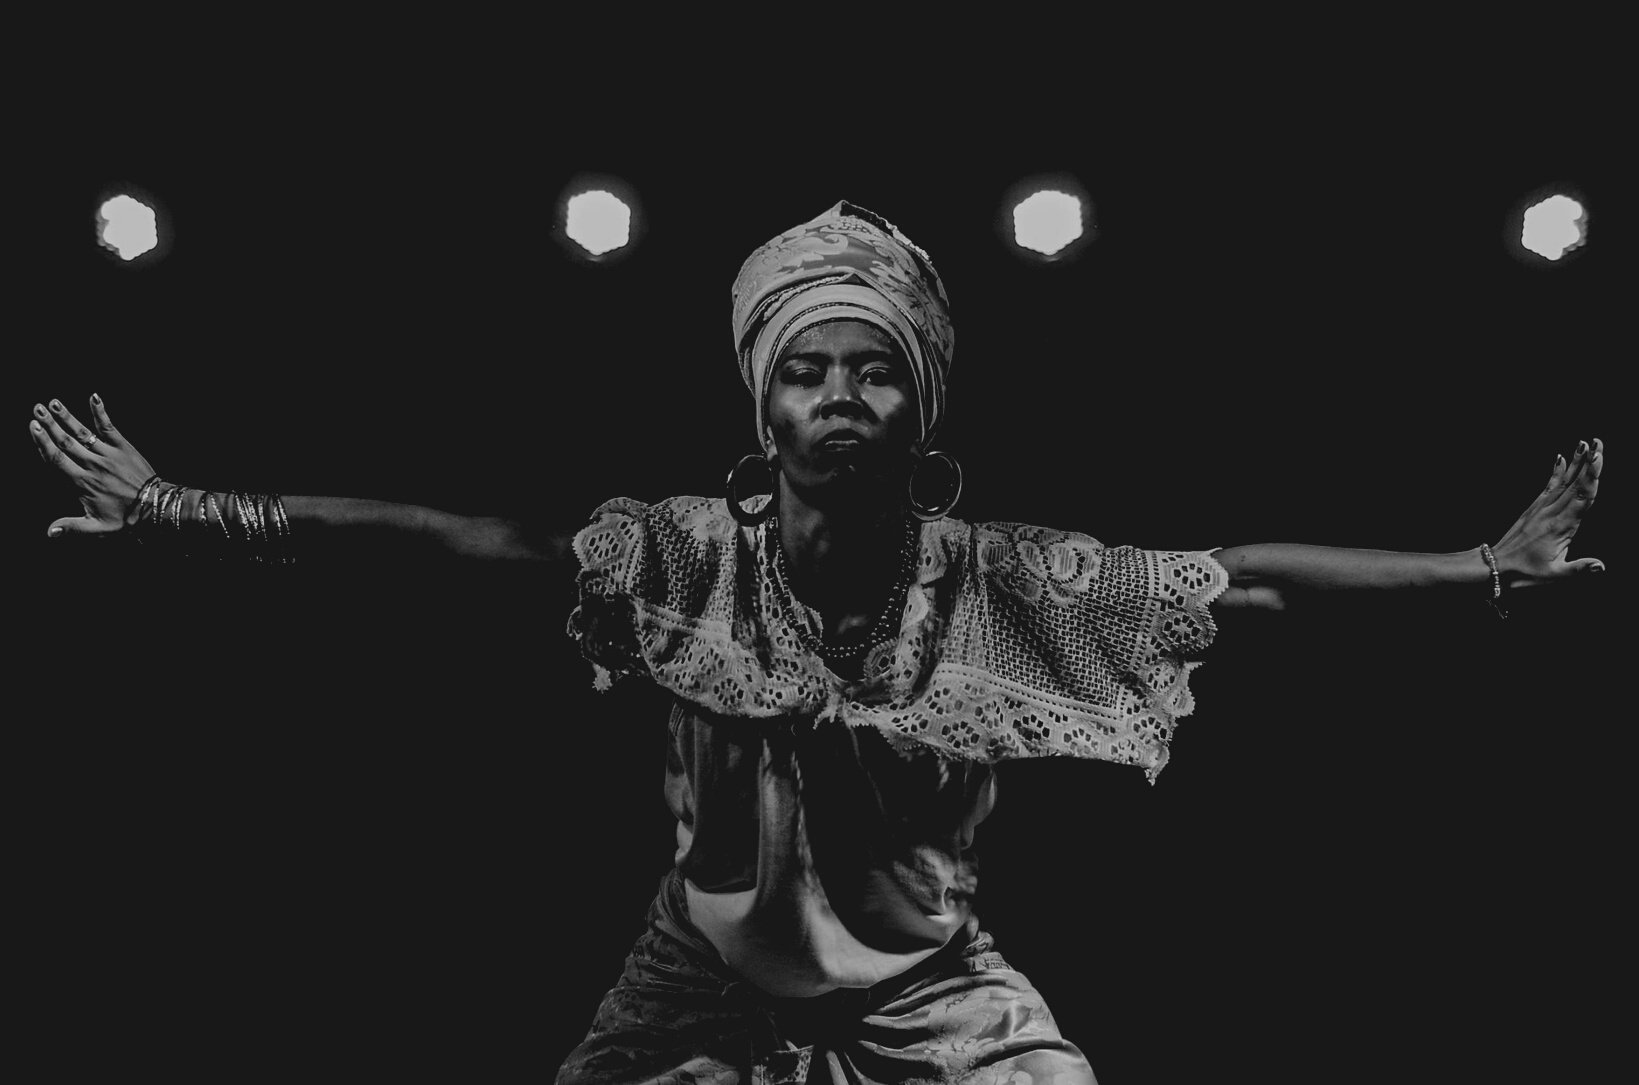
367	819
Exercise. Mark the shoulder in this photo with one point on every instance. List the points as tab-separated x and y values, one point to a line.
1002	547
704	514
623	524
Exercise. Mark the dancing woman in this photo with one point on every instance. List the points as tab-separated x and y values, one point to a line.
846	663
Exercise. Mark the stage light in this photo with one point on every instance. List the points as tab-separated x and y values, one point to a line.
1552	227
1047	221
127	227
598	221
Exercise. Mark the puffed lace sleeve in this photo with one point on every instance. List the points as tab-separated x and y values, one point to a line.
613	553
1053	644
670	592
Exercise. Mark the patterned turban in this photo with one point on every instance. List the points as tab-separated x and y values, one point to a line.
847	264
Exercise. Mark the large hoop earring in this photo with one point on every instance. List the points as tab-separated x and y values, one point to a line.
739	511
948	489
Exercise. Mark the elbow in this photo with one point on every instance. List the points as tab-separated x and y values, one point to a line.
507	540
1251	597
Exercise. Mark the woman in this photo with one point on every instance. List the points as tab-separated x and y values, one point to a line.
846	663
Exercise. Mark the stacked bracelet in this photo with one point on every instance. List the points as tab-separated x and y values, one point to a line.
1496	580
160	506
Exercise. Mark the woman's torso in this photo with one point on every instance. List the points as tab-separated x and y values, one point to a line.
819	857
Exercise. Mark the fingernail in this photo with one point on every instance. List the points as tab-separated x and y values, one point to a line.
33	425
54	532
95	398
56	406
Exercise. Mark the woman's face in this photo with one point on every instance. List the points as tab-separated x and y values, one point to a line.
842	411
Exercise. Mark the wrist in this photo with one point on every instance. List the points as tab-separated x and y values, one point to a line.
253	526
1471	567
1510	560
1494	569
136	513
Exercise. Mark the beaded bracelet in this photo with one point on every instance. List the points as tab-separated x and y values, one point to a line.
1496	580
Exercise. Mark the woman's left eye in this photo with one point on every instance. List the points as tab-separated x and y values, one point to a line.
879	375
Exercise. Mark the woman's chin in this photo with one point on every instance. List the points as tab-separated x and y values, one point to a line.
851	487
848	482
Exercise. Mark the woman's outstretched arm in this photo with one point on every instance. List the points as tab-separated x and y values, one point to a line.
1532	552
109	471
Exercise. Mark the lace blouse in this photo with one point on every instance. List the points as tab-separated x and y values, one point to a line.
825	824
1016	641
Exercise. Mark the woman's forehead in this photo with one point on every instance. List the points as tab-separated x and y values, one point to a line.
841	337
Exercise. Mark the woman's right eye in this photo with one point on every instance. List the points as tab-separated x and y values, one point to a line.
802	376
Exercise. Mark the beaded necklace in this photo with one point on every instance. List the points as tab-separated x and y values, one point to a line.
887	620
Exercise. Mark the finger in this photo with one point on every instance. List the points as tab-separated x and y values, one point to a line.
52	454
1555	475
80	454
105	425
1585	565
1568	472
73	426
1583	485
1562	489
1584	452
79	525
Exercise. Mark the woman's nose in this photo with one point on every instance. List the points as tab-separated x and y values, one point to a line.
840	387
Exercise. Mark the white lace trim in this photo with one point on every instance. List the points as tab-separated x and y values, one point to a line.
1016	641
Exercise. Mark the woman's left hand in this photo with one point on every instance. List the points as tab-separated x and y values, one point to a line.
1533	550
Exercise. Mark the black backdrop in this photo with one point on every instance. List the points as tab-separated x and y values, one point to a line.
369	820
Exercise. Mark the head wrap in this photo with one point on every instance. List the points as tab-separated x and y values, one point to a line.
846	264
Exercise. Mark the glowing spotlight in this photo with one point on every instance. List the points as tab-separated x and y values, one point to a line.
1553	227
127	227
1047	222
598	222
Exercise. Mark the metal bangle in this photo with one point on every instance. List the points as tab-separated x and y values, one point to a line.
282	519
162	506
221	519
253	502
260	514
142	495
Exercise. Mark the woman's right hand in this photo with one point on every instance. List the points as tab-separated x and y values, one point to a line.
107	468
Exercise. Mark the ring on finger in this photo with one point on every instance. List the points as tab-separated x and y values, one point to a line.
91	441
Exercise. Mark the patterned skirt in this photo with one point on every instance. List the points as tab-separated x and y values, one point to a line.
680	1016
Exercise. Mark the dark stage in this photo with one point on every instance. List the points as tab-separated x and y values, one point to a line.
369	821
